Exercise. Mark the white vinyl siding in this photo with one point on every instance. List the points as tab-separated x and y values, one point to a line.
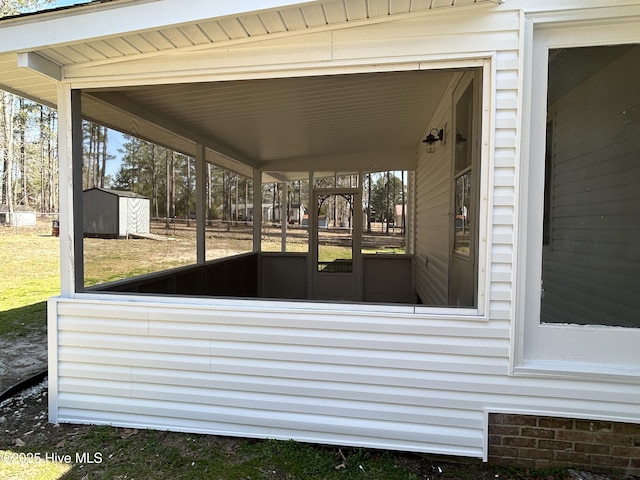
433	211
382	380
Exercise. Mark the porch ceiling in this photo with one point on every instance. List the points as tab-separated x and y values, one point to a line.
272	124
337	122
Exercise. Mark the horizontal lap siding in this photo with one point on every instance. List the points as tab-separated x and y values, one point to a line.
385	381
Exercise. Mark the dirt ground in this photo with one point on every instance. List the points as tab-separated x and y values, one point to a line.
21	357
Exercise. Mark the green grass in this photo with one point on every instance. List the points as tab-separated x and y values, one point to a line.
30	273
165	455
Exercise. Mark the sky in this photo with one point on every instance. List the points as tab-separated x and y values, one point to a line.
66	3
115	138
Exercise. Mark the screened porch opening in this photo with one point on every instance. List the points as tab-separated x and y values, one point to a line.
320	188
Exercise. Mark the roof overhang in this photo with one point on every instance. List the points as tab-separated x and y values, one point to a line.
342	122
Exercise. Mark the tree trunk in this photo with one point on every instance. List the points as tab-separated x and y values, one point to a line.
168	188
369	204
103	170
7	184
23	154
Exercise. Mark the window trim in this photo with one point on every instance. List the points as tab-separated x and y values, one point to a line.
558	350
485	62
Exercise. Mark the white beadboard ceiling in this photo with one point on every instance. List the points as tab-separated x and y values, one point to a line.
286	124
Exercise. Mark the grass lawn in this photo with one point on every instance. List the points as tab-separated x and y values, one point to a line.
29	274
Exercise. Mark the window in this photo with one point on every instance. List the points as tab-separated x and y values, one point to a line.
463	171
591	262
582	255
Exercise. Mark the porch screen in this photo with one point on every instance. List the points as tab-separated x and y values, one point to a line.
591	237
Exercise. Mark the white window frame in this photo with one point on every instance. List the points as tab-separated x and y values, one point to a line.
559	349
485	61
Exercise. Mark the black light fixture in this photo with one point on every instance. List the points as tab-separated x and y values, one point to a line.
434	136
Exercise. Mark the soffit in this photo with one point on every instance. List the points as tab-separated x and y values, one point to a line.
251	25
356	121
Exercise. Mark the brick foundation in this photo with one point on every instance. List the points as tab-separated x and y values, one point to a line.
544	442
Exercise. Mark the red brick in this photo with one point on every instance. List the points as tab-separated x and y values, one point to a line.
522	420
563	423
504	430
555	445
575	436
535	453
595	426
610	461
538	433
497	418
573	457
592	448
497	440
626	429
519	442
629	452
611	439
497	451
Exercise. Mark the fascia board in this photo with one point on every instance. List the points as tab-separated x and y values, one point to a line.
66	26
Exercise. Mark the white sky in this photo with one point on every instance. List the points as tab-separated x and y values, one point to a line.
66	3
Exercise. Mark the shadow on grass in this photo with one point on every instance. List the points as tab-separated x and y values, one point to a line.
24	320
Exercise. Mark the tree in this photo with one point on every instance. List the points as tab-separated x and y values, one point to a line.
8	122
387	191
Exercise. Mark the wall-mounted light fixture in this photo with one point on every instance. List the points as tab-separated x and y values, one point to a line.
434	136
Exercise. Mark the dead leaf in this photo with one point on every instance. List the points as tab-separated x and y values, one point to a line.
61	444
18	443
342	465
128	432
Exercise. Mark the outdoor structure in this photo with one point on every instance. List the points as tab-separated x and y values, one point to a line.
114	213
513	323
20	217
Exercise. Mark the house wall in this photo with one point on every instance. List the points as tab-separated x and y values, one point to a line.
390	377
433	208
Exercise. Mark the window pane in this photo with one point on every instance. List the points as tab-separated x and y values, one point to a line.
591	253
335	233
464	125
463	208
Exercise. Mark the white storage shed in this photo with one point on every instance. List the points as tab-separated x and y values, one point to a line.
114	213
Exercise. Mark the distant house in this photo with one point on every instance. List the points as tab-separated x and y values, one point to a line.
114	213
20	217
400	216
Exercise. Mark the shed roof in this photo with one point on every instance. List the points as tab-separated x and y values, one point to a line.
262	123
119	193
